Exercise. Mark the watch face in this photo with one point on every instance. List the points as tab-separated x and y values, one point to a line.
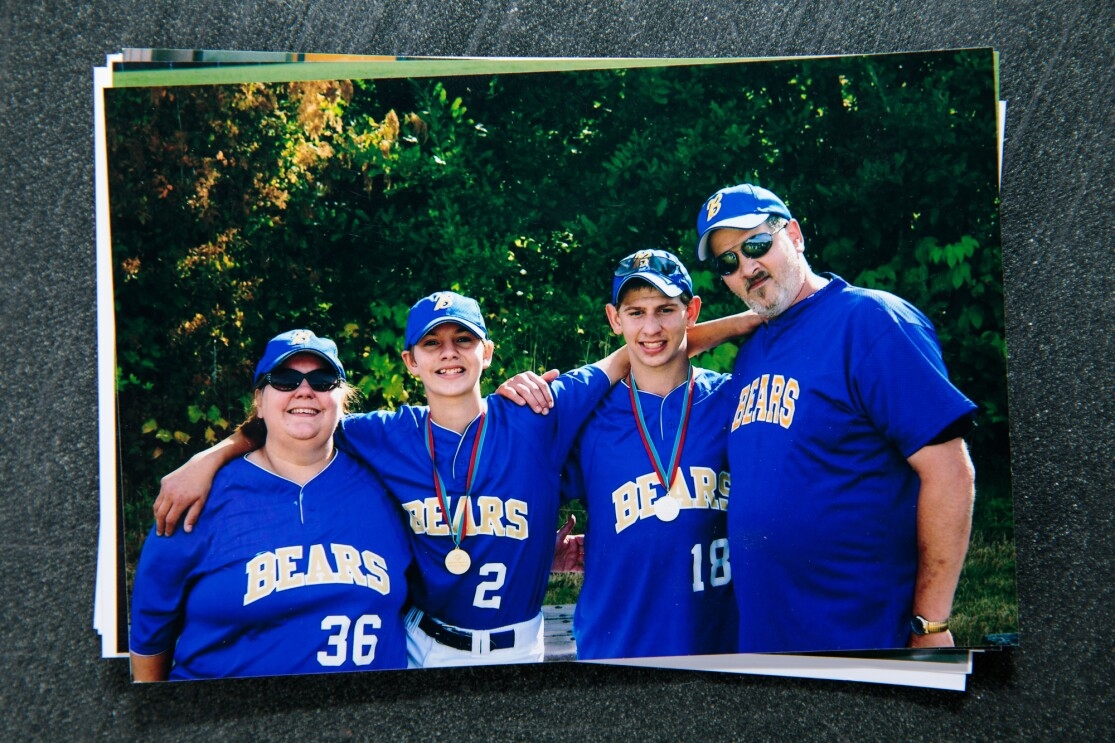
917	624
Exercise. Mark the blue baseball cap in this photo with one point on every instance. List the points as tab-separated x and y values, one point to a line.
283	346
657	267
442	307
743	207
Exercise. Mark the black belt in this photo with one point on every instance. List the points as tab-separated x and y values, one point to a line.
461	639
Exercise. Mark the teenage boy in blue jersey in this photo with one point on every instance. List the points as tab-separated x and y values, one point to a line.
852	487
651	466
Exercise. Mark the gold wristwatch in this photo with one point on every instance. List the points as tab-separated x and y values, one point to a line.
922	626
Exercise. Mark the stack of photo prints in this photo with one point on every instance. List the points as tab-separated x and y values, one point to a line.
333	292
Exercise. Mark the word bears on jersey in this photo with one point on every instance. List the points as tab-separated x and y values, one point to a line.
634	500
771	398
492	516
279	570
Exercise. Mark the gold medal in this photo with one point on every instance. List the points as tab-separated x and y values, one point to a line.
457	561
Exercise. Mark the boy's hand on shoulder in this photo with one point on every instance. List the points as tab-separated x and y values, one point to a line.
531	389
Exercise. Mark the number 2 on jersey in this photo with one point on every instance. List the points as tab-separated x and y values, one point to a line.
485	596
720	570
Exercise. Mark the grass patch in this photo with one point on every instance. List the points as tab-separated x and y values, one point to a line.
987	595
564	588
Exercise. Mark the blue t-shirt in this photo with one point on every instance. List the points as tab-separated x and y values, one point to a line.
833	396
655	587
278	578
513	508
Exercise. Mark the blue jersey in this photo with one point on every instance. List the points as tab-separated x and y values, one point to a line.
655	587
512	513
833	396
278	578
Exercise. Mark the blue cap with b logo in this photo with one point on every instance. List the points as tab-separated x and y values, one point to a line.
442	307
658	268
743	207
283	346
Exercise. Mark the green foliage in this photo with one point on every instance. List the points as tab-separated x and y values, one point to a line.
242	211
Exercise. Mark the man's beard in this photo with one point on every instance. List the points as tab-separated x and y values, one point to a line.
778	293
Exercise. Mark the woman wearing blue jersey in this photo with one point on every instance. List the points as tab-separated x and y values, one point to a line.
299	566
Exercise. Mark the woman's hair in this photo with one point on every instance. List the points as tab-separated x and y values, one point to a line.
255	430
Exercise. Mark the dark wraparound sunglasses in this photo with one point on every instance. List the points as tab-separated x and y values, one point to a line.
288	380
640	262
727	262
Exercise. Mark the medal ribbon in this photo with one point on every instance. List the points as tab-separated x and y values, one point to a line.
457	531
666	477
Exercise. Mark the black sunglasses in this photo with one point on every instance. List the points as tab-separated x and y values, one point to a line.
727	262
288	380
641	262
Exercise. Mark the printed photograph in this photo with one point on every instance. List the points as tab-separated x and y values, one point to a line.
459	367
